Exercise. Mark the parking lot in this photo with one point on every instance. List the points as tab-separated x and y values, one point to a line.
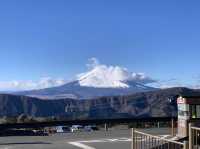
112	139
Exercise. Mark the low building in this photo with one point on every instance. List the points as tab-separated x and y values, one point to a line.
188	111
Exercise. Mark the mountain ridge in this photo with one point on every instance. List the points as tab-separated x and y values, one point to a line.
99	81
159	103
76	91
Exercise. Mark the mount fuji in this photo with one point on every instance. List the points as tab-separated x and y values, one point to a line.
100	81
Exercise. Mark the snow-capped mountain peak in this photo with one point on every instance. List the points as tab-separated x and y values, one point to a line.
100	80
103	76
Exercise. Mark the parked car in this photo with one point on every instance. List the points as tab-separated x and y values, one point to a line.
62	129
41	133
90	128
76	128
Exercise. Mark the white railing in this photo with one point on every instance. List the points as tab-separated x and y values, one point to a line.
194	137
141	140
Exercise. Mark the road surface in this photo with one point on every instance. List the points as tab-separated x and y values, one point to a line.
115	139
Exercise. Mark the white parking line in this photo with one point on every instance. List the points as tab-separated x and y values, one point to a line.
81	145
106	140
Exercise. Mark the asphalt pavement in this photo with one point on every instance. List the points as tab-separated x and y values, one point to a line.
113	139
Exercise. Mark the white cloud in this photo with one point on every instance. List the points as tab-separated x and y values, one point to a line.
171	83
92	63
101	75
193	83
28	85
142	78
196	85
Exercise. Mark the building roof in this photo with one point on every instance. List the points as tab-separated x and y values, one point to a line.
190	95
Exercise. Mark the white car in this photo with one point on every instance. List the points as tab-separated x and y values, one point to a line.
62	129
90	128
76	128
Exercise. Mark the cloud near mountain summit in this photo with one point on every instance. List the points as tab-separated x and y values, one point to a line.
101	75
98	75
44	82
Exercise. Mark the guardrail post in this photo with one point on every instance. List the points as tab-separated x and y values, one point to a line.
190	136
133	138
106	127
172	127
158	124
185	146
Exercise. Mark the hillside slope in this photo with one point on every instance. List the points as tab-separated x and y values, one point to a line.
161	103
99	81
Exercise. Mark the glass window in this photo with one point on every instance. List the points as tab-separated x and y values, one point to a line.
198	111
195	111
183	113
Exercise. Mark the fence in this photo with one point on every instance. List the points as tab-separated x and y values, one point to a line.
194	137
141	140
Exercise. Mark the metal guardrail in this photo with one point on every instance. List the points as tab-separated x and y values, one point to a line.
141	140
84	122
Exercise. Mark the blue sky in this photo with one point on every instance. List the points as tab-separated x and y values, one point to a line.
55	38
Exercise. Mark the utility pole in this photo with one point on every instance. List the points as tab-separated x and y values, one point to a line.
106	127
172	127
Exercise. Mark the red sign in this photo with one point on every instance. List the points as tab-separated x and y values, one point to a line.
181	100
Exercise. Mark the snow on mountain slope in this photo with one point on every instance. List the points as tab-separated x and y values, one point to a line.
103	76
99	80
